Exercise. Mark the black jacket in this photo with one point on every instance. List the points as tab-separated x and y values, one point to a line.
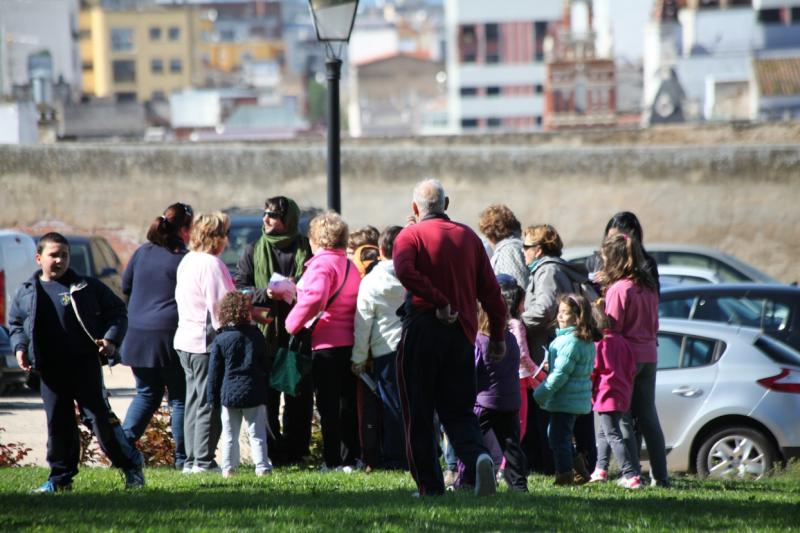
237	374
100	310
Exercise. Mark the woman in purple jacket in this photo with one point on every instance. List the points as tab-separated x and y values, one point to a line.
149	284
632	305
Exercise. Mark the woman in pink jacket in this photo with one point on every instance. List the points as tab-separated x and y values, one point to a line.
329	289
632	305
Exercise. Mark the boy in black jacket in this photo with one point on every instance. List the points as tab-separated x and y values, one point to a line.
62	325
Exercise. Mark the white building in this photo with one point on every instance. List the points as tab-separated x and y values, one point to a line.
31	26
18	123
495	62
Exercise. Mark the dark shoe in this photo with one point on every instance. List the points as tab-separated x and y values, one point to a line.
565	478
582	474
134	478
661	483
484	476
48	487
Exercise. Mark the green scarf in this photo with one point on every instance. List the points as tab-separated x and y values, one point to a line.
263	266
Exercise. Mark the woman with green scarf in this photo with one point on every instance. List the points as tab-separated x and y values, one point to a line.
283	250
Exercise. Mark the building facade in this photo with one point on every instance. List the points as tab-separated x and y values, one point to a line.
495	63
140	55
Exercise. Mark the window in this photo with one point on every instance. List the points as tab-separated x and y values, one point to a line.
669	350
538	88
677	308
769	16
469	91
174	33
494	122
124	71
492	91
158	96
84	35
155	33
79	259
122	39
777	351
175	66
776	316
156	66
698	352
539	34
730	310
125	96
87	65
469	123
725	272
492	34
468	44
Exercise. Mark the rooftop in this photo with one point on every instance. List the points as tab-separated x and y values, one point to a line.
778	77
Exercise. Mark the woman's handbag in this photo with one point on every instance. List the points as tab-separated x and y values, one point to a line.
293	362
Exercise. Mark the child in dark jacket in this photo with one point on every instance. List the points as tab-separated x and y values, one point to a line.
237	381
498	401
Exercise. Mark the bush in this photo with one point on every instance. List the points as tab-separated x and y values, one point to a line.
157	444
12	453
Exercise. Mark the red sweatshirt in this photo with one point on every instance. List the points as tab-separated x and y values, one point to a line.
442	262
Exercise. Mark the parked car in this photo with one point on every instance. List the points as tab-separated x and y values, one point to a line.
727	398
10	372
773	308
91	255
246	226
672	275
725	266
17	263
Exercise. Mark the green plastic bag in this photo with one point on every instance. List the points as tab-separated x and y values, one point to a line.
292	363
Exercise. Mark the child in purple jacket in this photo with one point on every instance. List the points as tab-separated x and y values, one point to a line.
498	401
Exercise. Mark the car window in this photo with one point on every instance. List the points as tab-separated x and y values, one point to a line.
741	311
100	262
109	254
677	308
238	240
776	316
778	351
669	350
725	272
697	352
79	259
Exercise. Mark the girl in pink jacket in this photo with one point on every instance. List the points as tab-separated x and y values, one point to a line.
612	386
329	289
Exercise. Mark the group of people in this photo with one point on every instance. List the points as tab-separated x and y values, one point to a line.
425	340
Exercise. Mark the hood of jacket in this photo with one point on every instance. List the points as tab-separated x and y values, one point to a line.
577	273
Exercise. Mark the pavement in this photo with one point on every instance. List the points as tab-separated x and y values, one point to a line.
22	413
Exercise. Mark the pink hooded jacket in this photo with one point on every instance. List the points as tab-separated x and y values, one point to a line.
323	276
614	370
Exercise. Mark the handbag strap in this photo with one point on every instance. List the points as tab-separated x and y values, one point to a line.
333	296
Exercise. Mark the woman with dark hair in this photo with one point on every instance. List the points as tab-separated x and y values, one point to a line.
149	284
631	301
628	224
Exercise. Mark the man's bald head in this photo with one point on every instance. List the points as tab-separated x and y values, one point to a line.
429	197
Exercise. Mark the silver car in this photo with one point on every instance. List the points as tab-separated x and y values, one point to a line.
728	398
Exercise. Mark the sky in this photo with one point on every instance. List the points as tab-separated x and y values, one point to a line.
628	20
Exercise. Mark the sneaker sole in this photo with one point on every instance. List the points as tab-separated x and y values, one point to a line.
484	478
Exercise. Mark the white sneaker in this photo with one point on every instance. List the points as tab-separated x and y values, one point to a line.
263	473
187	469
634	482
228	473
484	476
197	469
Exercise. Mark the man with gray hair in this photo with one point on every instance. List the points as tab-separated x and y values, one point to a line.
445	269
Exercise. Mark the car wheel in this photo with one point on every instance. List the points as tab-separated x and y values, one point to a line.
735	452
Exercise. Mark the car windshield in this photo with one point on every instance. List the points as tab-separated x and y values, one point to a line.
239	238
725	272
79	259
778	351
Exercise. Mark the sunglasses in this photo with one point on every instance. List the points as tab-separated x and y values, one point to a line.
273	214
529	246
187	209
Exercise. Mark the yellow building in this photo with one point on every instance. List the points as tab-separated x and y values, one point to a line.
137	55
229	56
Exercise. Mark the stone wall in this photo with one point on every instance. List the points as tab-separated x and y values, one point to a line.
741	198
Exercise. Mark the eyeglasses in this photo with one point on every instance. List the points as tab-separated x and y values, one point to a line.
273	214
529	246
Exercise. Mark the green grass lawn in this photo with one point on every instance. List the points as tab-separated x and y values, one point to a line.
293	500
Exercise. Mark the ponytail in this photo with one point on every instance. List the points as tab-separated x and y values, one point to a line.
164	230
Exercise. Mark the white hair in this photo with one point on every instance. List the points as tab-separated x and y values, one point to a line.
429	196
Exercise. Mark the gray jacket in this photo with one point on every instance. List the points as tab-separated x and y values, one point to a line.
550	279
509	258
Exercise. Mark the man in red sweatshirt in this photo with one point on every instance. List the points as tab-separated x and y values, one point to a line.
444	267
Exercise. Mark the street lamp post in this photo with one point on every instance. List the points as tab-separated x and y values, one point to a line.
333	21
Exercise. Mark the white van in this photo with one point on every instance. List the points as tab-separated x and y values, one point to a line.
17	263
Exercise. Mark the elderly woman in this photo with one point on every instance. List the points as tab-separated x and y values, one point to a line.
202	281
328	290
551	277
498	223
149	283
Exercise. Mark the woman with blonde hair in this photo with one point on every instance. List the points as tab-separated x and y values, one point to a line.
202	282
503	231
328	292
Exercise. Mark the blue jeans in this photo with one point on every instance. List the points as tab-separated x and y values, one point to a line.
559	435
150	385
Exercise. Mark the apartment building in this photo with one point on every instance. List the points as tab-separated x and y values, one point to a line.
496	63
140	54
